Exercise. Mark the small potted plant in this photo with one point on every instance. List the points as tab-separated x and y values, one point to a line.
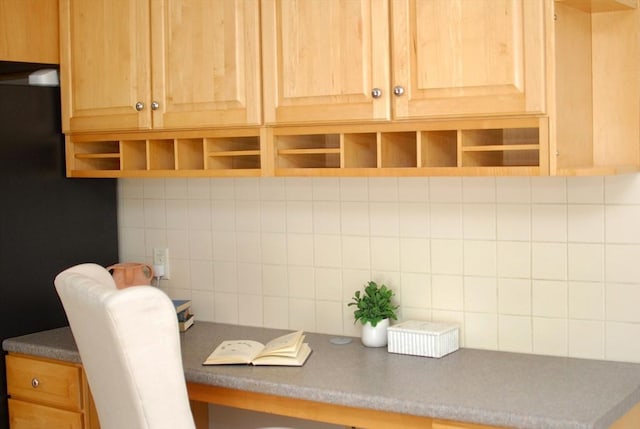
373	310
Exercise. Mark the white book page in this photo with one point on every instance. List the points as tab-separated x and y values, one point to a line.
285	345
235	351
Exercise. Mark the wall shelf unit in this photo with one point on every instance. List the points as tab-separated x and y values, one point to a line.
211	154
497	146
507	146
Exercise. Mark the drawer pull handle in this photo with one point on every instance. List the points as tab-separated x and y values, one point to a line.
35	382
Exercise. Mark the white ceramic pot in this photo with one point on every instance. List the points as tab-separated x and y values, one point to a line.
375	336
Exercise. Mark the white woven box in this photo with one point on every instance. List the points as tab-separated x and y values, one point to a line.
415	337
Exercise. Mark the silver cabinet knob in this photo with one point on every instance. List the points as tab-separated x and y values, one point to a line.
139	106
155	105
398	90
35	382
376	93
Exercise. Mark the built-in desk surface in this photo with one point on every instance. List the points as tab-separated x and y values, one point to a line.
487	387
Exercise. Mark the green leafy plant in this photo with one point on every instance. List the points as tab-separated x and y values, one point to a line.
374	305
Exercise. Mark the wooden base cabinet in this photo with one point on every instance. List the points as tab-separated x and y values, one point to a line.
48	393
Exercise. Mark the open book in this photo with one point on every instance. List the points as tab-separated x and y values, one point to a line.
287	350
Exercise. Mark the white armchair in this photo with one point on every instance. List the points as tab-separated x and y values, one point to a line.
129	345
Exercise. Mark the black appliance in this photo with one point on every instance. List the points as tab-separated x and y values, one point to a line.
47	222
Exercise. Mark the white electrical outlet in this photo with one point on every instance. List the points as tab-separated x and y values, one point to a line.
161	262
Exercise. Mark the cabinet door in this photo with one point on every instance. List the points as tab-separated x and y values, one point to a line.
206	63
104	63
323	58
468	57
29	31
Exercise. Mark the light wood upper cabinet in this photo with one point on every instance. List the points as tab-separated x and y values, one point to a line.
29	31
206	63
164	64
594	109
322	59
467	57
330	60
104	64
351	87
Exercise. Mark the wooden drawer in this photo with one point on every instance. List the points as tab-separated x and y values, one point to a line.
44	382
26	415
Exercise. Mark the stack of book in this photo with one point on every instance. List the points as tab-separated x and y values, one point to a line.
185	316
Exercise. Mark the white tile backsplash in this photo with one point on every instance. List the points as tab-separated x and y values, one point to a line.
383	219
154	214
622	223
478	189
586	301
414	255
622	302
354	218
445	189
586	262
514	259
513	222
225	276
326	217
385	254
275	280
479	221
300	249
550	336
299	217
585	190
413	189
274	248
513	190
549	298
298	190
514	296
273	216
446	256
414	219
480	258
356	251
480	294
549	261
515	333
446	220
586	339
481	330
585	223
548	190
416	290
546	265
447	292
549	222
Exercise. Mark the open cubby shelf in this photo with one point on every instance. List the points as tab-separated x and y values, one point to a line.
139	156
457	147
462	147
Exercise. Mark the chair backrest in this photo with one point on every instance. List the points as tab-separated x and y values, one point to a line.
129	345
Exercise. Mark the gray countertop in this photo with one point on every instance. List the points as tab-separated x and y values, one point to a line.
488	387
